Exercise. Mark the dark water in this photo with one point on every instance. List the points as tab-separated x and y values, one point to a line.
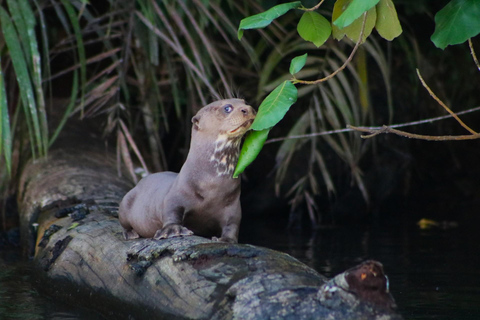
19	297
434	274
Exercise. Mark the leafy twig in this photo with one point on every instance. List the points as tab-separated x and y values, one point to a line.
333	74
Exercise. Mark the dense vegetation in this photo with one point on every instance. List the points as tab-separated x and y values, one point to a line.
142	68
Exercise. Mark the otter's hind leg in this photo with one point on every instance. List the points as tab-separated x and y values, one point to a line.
123	215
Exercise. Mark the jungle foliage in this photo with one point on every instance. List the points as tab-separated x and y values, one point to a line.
144	67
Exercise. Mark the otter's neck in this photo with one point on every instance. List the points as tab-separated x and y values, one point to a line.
225	155
216	155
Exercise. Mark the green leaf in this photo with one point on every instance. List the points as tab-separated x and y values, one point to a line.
263	19
19	62
24	20
275	106
297	64
20	26
35	69
458	21
314	27
5	137
338	9
250	149
354	29
43	28
352	10
387	25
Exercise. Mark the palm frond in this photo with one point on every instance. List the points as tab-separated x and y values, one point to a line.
5	136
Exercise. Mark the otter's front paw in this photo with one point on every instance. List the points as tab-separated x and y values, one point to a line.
224	239
130	234
172	230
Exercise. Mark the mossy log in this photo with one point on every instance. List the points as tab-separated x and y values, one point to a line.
68	205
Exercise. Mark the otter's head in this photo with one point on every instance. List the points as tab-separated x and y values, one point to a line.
223	123
230	118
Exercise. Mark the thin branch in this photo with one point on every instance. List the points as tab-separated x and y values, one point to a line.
400	125
333	74
313	8
386	129
440	102
472	52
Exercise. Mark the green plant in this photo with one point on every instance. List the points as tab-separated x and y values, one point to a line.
333	100
355	19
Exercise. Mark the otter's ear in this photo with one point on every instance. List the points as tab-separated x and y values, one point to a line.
196	122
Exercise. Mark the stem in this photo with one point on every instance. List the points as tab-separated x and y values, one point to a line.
313	8
333	74
440	102
400	125
472	52
386	129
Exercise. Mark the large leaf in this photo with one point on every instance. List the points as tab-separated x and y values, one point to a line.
275	106
458	21
263	19
250	149
352	10
314	27
298	63
5	138
354	29
388	26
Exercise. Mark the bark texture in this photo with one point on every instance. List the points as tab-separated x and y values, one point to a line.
68	205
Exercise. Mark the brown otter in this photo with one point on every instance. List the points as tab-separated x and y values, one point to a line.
202	198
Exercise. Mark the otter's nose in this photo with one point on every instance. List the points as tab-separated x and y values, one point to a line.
248	110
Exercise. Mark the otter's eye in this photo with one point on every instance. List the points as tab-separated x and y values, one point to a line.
227	108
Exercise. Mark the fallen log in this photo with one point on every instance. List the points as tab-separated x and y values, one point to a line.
68	205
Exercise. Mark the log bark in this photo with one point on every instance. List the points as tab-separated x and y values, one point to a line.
68	205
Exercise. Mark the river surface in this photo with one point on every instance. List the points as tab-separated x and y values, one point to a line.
434	273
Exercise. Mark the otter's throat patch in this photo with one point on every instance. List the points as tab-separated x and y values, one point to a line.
225	155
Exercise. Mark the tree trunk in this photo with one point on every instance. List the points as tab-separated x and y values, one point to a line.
68	205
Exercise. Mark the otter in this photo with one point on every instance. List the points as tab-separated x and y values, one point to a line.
203	198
